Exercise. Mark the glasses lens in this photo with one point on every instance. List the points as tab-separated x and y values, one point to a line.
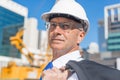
62	25
65	26
51	25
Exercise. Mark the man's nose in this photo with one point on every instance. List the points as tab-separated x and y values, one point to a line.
57	29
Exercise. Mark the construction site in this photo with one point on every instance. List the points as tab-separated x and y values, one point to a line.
25	48
22	46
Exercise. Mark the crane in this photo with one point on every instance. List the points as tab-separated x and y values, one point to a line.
13	67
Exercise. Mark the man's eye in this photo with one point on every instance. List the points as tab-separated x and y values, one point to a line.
65	26
53	24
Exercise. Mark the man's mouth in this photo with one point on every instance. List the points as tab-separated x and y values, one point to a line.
57	40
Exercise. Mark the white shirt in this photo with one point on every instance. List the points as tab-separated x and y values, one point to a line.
61	61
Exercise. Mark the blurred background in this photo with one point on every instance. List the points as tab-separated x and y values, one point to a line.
23	36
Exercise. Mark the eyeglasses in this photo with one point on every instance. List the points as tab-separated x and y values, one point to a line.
63	25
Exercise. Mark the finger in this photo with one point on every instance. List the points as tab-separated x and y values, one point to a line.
66	74
62	69
49	75
62	74
47	72
56	70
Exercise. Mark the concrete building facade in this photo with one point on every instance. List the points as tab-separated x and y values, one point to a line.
112	27
12	18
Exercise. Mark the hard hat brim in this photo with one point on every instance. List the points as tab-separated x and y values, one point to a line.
47	16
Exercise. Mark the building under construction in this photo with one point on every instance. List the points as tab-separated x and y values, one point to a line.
22	46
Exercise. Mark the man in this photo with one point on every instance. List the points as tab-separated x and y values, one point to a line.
67	25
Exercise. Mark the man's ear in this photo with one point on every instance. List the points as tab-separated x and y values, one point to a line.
81	36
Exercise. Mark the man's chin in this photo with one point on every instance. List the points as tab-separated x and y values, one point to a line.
57	47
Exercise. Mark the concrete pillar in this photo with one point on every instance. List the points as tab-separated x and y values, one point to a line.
118	14
112	15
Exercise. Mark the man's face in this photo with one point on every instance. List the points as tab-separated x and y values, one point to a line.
64	38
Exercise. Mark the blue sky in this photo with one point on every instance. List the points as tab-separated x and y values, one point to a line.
94	10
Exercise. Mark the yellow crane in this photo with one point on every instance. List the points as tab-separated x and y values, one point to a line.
16	72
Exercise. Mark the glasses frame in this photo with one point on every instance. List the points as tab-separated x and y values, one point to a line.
64	25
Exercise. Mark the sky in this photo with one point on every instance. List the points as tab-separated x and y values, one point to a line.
93	8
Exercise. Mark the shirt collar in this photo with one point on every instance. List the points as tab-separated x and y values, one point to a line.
61	61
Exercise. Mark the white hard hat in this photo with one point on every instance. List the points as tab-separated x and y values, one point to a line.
70	8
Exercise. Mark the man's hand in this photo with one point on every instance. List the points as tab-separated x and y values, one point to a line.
55	74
